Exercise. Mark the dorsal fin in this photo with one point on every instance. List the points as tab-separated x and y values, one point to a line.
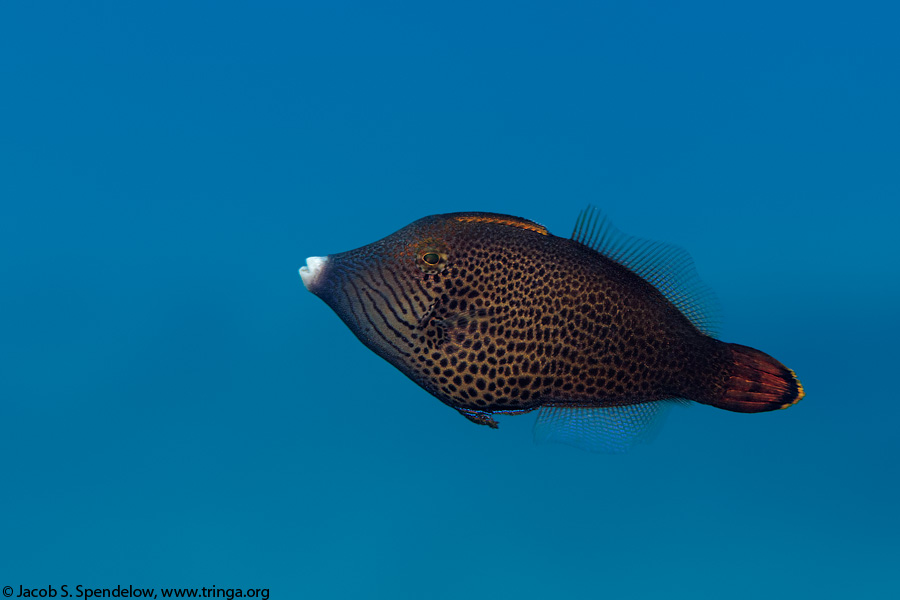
501	220
665	266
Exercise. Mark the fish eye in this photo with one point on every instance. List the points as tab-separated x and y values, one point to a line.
431	256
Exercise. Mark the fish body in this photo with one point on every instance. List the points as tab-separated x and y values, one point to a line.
493	314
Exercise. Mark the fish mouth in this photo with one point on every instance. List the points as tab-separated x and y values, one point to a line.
311	274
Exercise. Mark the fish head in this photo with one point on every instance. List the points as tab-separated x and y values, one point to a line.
404	295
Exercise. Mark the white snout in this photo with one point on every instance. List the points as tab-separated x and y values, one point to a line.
311	273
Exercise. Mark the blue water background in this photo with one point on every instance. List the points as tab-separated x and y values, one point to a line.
176	410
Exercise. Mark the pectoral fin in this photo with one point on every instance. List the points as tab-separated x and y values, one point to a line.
463	320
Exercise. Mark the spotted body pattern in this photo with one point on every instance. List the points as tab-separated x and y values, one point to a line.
493	314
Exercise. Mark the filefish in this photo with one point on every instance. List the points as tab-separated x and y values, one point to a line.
599	333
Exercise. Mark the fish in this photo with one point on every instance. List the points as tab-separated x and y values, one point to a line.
599	333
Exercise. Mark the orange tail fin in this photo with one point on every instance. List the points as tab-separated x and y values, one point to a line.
758	383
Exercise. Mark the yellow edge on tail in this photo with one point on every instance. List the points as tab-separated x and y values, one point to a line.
800	392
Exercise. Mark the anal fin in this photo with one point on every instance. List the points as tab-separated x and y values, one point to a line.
607	429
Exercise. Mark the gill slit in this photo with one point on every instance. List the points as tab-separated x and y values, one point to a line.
393	293
400	321
362	305
381	314
406	297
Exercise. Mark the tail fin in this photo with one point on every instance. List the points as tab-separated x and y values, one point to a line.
758	383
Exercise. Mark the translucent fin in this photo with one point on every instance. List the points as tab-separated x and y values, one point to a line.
612	429
665	266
